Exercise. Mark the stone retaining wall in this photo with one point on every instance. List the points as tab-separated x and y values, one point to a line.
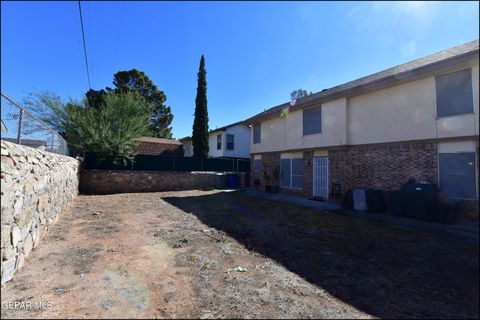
36	186
112	181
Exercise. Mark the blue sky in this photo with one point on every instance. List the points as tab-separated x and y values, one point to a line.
256	52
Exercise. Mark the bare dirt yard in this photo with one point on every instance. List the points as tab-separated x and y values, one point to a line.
174	254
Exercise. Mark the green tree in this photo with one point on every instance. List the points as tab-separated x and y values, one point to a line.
137	81
95	98
299	93
200	123
110	131
49	107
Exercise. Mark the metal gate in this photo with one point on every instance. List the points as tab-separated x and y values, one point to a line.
320	177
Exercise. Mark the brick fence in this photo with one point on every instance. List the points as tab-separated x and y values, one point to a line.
110	181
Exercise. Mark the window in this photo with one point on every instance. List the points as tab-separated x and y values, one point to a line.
256	133
230	141
291	173
219	142
457	174
285	173
257	165
454	93
312	121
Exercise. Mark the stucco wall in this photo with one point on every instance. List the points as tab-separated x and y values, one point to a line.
404	112
36	186
241	147
400	113
242	142
212	144
407	112
286	133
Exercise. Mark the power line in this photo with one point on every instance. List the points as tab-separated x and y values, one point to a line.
84	45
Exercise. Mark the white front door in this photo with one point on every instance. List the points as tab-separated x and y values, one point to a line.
320	177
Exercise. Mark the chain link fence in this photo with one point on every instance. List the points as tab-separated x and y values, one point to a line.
22	127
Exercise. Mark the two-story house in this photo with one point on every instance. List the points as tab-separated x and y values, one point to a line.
416	120
231	141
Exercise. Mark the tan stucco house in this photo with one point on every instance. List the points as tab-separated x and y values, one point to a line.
416	120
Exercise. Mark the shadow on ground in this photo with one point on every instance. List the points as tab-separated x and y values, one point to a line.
381	270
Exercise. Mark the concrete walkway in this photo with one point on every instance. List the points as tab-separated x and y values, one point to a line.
465	230
301	201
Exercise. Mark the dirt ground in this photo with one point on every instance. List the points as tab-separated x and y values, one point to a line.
173	254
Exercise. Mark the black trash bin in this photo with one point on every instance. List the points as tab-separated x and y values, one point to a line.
347	202
420	201
375	200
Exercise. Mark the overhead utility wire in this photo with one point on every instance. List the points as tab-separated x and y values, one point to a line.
84	45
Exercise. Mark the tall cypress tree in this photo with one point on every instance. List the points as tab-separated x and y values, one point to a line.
200	123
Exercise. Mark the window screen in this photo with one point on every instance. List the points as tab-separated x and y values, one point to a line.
219	142
230	141
256	133
454	93
291	175
257	165
297	173
285	173
312	121
457	174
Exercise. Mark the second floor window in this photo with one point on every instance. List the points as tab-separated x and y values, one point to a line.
454	93
312	121
256	133
219	142
230	141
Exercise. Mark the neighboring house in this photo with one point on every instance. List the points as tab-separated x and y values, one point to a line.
33	143
232	141
416	120
158	146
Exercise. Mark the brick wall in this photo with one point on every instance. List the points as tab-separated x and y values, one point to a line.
383	166
270	161
159	148
308	174
110	181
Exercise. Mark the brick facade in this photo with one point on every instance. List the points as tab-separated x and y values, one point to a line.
270	161
308	174
158	146
383	166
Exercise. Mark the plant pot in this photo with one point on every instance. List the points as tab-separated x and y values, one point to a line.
275	189
268	188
